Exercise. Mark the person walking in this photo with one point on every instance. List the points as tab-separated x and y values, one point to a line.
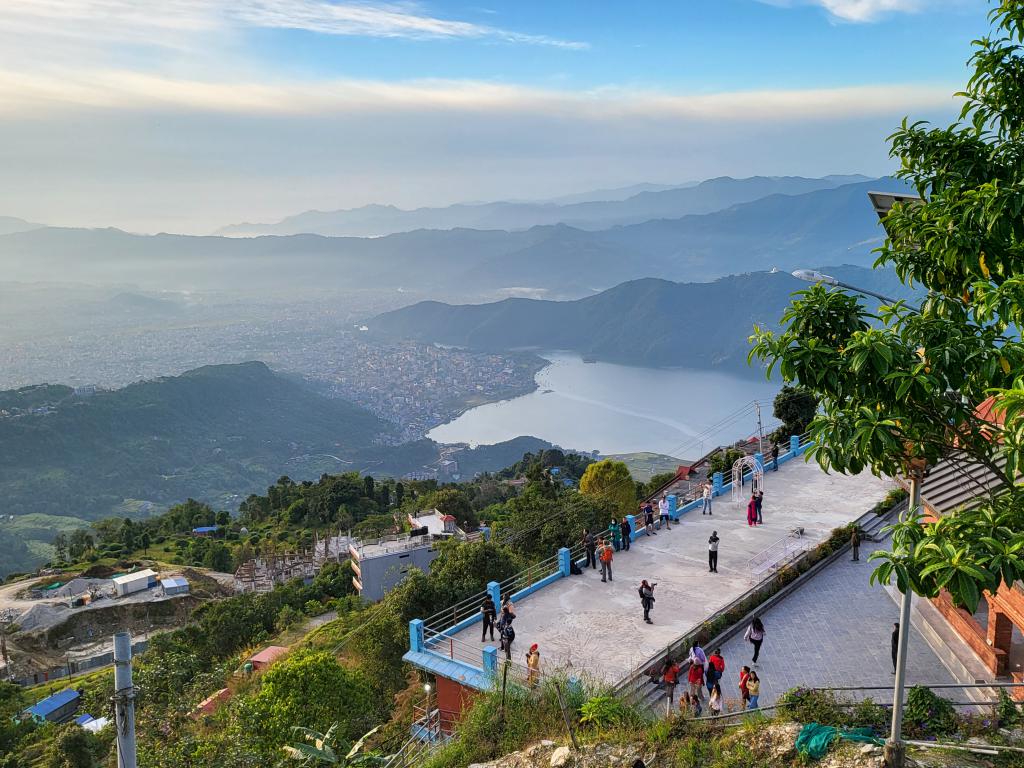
753	689
744	690
895	644
707	499
649	520
697	656
669	679
663	516
489	613
775	457
647	599
695	677
855	542
752	510
591	547
755	636
616	534
713	552
759	497
508	635
533	666
715	700
626	531
604	554
716	668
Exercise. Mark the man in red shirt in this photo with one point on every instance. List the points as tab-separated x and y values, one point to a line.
716	668
696	679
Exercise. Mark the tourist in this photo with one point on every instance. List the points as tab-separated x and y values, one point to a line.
775	457
591	547
626	531
489	614
716	668
755	636
895	644
508	607
695	677
713	552
533	665
689	706
760	500
669	679
616	533
744	690
663	516
647	599
604	554
715	700
753	689
752	510
707	499
855	542
508	635
697	655
649	519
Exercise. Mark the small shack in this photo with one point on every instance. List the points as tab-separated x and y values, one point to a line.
205	530
134	582
57	708
267	656
175	585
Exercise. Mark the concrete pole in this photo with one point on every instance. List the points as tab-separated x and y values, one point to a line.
124	701
895	750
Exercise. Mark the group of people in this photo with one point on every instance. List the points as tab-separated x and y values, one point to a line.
503	623
754	508
601	549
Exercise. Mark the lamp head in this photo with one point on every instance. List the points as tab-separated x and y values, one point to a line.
813	276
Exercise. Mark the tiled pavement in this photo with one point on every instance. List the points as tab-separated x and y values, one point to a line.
835	630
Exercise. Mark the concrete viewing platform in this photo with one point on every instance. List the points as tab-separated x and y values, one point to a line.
597	629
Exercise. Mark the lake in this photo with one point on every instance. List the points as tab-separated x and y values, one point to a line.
620	409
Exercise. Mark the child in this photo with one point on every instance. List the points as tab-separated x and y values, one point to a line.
753	689
715	701
744	690
695	678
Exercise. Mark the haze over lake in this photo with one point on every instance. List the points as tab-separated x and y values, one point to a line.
621	409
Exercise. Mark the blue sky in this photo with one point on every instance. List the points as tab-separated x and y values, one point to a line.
187	114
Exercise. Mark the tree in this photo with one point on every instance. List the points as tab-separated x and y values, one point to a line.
794	407
610	481
327	749
399	493
144	542
79	543
72	747
368	486
60	543
904	386
454	502
217	557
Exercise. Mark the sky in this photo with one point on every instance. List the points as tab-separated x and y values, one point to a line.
186	115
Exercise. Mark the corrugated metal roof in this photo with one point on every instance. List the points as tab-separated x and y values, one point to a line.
83	719
957	482
51	704
174	581
205	529
136	576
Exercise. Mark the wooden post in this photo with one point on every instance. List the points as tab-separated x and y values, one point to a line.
565	716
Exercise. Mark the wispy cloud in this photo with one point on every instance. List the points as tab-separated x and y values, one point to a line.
862	11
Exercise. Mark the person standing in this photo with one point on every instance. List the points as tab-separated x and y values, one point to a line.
775	457
744	690
649	520
616	533
760	500
695	677
647	599
591	547
752	510
707	499
508	635
716	668
669	679
488	613
508	608
753	689
855	542
755	636
895	644
533	665
604	554
713	552
663	513
715	700
626	531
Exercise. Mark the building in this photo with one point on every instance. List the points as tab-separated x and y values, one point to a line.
137	581
210	704
267	656
58	708
205	530
175	585
379	564
436	524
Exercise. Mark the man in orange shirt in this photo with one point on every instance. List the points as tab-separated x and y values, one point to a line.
604	554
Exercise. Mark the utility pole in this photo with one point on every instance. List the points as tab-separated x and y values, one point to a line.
760	429
895	750
124	701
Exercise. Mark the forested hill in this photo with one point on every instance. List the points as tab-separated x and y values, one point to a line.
215	430
646	322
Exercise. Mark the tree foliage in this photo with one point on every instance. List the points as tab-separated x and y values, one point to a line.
902	387
610	481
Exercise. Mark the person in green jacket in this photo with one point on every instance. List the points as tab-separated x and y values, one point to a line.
615	532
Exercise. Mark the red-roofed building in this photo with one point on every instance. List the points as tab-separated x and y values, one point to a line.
267	656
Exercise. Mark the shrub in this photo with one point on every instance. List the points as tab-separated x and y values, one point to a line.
1006	710
867	714
602	711
807	705
927	714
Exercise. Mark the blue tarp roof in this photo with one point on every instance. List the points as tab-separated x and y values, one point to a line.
205	529
83	719
52	703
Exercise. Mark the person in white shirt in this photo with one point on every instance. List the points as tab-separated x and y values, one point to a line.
663	512
713	552
707	499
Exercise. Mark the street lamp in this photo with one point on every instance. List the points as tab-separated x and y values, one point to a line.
430	715
813	276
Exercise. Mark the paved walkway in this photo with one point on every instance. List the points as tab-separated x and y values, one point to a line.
835	630
598	628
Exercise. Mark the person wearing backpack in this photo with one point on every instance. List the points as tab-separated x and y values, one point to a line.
604	554
647	599
508	635
616	534
755	636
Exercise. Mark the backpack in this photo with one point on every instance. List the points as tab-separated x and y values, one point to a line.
574	569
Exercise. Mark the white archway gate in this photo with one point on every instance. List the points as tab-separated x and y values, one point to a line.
741	467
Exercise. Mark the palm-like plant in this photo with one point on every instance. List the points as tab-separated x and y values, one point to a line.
325	748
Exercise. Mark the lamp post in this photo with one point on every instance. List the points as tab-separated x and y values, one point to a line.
814	276
430	715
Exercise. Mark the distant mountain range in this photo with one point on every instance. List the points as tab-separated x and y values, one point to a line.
648	322
832	225
599	210
10	224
